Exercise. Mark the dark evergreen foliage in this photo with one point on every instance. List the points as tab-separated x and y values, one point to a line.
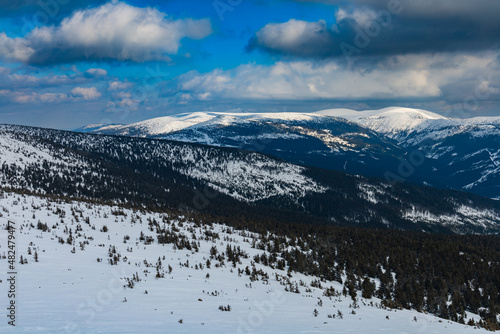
443	274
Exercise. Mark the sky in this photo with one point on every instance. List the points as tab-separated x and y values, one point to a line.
69	63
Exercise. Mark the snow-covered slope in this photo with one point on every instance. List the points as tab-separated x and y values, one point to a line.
22	153
168	124
162	125
413	126
391	121
161	173
485	120
395	122
100	269
251	177
370	142
461	153
206	128
301	138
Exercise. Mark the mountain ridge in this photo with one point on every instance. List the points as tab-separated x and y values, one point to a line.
374	142
228	181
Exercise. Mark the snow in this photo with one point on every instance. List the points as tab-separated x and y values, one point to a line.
396	122
335	143
399	123
259	180
409	127
70	292
107	127
387	120
430	131
169	124
17	151
163	125
268	136
485	120
14	151
369	192
250	177
464	215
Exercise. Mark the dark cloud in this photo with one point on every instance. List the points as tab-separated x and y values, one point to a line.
485	11
41	12
391	27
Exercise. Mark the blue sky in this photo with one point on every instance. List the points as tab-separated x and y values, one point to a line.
68	63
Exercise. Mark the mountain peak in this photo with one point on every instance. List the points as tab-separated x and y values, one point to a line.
388	120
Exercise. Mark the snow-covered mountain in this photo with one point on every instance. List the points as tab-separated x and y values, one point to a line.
226	181
411	127
247	177
459	153
132	235
301	138
103	269
392	121
462	153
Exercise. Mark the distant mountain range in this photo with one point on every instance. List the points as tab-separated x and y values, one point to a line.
233	183
228	228
398	144
166	227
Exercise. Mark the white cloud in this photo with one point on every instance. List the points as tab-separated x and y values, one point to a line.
411	76
119	85
23	78
126	104
296	37
52	97
114	30
482	11
25	98
88	93
129	103
362	15
16	49
4	70
97	72
10	79
304	80
122	95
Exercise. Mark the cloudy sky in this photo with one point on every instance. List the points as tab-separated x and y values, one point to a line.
68	63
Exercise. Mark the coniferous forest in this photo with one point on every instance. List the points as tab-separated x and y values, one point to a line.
418	265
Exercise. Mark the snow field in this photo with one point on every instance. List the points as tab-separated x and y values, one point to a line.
69	291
